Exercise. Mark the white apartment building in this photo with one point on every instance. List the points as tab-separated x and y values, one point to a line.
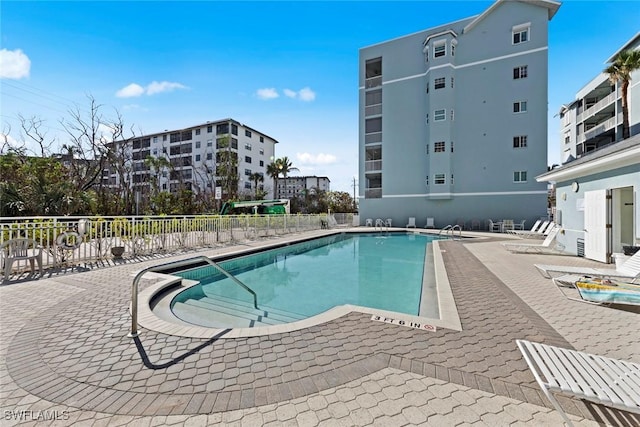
594	119
194	156
297	185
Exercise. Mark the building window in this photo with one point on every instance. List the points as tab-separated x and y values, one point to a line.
261	162
209	129
520	72
234	129
197	131
262	139
427	87
247	159
451	179
567	139
197	157
520	33
427	149
440	115
520	176
452	79
247	133
222	129
210	143
197	144
520	141
247	185
452	146
427	118
247	172
247	147
426	180
452	114
439	179
209	156
439	147
262	151
520	107
439	83
164	137
439	50
155	139
453	48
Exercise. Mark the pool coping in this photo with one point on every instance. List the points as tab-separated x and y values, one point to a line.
147	319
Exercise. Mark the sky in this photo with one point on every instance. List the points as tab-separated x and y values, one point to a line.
288	69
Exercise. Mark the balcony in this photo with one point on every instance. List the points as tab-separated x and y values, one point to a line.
373	110
373	137
372	165
604	102
373	193
373	82
600	128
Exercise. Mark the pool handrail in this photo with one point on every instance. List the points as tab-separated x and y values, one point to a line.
134	286
450	229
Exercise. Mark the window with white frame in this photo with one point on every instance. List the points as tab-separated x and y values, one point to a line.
520	72
439	179
439	147
520	176
520	141
439	83
520	33
439	115
453	48
567	139
520	107
439	49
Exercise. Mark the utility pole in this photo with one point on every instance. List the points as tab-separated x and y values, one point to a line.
354	185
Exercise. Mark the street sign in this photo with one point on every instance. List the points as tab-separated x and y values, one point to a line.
218	193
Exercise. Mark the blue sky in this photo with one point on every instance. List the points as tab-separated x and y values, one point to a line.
288	69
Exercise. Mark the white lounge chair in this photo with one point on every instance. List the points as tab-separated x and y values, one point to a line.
430	223
549	246
611	382
630	269
598	291
542	232
412	222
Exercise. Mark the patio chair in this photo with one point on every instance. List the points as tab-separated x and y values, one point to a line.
430	223
519	225
379	223
599	290
549	246
387	222
630	269
21	249
603	380
412	222
495	226
368	222
507	225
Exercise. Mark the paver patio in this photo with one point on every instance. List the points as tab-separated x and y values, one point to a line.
65	352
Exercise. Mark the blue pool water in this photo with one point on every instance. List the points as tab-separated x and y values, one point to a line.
382	271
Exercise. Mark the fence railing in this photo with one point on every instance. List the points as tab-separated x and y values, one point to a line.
70	240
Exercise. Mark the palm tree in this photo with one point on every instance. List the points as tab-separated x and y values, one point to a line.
285	166
256	178
620	71
273	171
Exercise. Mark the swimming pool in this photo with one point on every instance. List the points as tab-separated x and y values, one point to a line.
379	271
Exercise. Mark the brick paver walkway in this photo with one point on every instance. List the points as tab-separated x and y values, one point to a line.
64	348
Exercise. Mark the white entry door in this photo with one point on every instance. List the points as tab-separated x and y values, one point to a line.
597	225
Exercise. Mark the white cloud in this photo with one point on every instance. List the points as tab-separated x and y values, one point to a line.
14	64
316	159
130	91
159	87
135	90
267	93
304	94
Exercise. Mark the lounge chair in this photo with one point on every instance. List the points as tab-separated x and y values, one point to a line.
430	223
542	232
611	382
549	246
630	269
412	222
519	228
600	291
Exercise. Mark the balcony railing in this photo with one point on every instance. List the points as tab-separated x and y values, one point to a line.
373	193
600	128
372	165
373	82
609	99
373	137
373	110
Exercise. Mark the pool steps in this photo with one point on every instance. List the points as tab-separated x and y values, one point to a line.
223	312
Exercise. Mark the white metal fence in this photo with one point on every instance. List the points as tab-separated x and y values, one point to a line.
69	240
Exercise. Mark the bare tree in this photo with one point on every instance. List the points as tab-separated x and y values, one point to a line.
33	128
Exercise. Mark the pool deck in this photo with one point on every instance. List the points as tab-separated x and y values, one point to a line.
65	353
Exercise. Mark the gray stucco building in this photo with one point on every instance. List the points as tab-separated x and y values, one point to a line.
453	119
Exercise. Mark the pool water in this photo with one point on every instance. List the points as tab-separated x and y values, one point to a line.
380	271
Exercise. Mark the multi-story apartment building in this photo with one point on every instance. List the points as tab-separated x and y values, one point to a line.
453	119
297	185
594	119
196	157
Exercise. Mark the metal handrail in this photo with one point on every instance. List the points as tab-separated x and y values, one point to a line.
450	229
180	263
